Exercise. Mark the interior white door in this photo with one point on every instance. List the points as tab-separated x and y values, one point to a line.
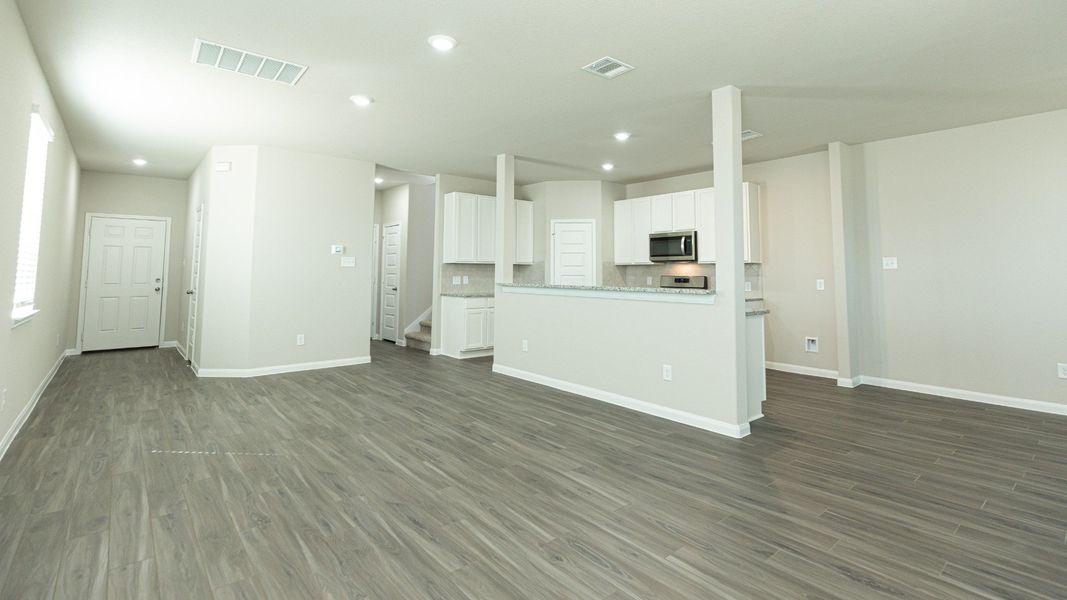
573	253
390	281
374	255
192	322
124	283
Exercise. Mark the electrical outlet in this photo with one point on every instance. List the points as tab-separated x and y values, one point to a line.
337	249
889	262
526	345
748	286
456	279
299	339
820	284
811	344
1061	369
667	374
466	279
648	281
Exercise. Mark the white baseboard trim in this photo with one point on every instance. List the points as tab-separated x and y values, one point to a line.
848	383
72	352
435	352
169	344
467	354
181	350
24	414
802	370
671	414
260	371
982	397
402	342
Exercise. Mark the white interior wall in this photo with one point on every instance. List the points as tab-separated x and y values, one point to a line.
29	352
420	241
119	194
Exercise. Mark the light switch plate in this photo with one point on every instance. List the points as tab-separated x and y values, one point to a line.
299	339
748	286
1061	370
337	249
820	284
456	279
889	262
526	345
348	261
466	279
668	374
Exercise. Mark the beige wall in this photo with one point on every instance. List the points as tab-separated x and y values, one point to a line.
304	203
117	194
28	352
976	218
419	269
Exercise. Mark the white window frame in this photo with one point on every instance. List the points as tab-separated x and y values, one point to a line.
24	301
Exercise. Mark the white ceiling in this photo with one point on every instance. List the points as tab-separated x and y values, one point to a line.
810	73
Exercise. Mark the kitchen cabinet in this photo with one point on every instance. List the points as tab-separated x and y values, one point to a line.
662	218
633	223
470	229
467	326
523	232
751	216
674	212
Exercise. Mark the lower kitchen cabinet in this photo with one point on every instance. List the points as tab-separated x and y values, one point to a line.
466	326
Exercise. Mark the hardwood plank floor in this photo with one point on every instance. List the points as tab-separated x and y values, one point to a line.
417	477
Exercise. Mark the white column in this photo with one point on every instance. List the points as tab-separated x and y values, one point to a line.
505	218
845	191
729	236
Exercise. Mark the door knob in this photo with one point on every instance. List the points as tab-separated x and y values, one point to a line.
394	289
189	292
157	289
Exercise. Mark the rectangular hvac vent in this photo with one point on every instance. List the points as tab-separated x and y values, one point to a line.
608	67
748	134
246	63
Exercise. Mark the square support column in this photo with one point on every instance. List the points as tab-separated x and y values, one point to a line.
729	237
505	218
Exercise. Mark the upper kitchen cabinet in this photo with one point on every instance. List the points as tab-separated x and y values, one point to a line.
674	212
753	238
470	229
633	224
523	232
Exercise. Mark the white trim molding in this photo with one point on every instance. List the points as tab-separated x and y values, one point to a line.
982	397
848	383
801	370
642	406
260	371
24	414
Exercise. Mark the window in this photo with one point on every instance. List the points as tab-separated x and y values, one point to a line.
30	223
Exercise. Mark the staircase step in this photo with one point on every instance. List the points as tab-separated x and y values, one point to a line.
426	324
419	336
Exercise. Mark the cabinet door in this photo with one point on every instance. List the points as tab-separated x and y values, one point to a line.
523	232
466	216
641	218
490	324
661	213
486	236
683	211
623	231
753	237
706	227
474	339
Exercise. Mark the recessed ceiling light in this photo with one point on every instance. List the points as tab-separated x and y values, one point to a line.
607	166
140	162
361	101
622	136
379	180
442	43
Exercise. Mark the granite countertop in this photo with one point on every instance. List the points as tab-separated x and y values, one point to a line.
647	290
468	294
758	312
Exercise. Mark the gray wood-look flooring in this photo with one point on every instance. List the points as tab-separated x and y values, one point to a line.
418	477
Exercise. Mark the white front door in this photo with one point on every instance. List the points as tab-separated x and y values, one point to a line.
193	319
390	281
573	253
124	283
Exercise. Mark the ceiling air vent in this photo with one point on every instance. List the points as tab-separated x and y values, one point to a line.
246	63
608	67
748	134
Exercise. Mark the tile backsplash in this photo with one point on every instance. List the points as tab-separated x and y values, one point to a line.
482	278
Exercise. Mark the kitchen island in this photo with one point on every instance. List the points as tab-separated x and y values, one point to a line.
654	350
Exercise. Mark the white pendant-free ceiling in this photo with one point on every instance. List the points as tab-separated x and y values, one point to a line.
810	73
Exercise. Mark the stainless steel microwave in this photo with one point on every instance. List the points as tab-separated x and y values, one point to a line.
679	246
